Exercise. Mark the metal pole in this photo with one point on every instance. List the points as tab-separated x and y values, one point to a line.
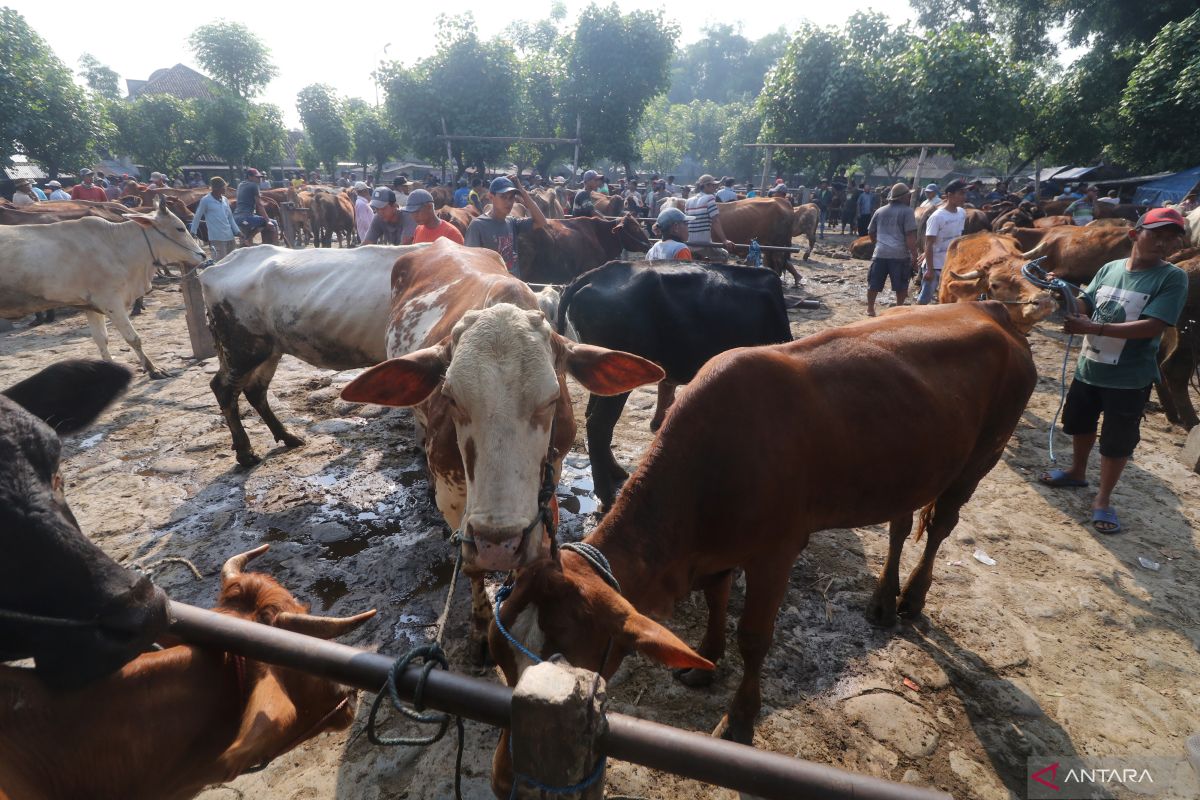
767	169
1037	178
691	755
575	160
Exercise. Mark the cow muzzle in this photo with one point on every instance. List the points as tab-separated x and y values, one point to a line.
501	545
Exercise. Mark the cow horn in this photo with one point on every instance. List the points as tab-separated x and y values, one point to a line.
234	566
973	275
320	627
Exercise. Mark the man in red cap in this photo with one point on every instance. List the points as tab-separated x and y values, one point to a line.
1132	301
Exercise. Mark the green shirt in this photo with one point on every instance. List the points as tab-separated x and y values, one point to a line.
1119	294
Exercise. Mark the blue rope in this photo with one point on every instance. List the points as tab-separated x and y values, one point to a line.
1062	395
501	596
518	779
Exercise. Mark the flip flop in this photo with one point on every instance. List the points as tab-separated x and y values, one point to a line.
1105	520
1059	479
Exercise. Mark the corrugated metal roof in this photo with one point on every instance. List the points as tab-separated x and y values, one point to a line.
179	81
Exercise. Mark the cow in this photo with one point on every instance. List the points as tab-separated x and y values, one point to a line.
1074	253
804	223
331	215
1126	211
62	211
676	315
770	220
862	248
176	720
547	200
564	249
1109	222
329	308
477	360
1021	216
99	266
1054	221
458	217
1179	354
737	479
1193	228
987	266
50	569
1051	208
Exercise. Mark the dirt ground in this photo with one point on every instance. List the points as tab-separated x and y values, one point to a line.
1065	646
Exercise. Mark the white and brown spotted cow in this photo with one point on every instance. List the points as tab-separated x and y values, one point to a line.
470	351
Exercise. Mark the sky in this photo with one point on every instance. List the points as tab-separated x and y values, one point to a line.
312	44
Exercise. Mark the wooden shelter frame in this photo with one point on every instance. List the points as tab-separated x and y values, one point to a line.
447	138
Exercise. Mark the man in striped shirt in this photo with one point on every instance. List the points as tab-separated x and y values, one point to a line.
704	224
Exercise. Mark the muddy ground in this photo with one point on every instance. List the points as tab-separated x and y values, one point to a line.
1066	646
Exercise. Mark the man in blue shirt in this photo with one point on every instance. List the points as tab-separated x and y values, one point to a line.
460	194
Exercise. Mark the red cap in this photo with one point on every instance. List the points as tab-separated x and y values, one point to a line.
253	173
1158	217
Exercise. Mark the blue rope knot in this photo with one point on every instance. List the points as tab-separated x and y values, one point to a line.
432	657
574	788
501	596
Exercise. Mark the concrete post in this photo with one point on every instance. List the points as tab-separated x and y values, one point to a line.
557	721
197	321
289	230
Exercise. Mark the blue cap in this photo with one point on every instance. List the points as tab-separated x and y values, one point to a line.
501	185
671	216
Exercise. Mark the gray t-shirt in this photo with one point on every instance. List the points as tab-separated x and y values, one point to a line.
890	224
499	235
382	232
247	198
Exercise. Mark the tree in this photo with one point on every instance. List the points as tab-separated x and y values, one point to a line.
663	136
1160	104
158	130
102	80
469	84
42	112
744	125
267	135
223	123
234	57
374	138
615	64
324	122
724	66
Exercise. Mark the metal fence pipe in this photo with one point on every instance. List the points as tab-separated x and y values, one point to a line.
690	755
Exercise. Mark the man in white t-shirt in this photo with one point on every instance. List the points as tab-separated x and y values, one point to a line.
944	226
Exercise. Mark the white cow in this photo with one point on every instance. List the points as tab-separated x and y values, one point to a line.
99	266
327	307
1193	228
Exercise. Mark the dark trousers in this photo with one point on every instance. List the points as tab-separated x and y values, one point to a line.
864	220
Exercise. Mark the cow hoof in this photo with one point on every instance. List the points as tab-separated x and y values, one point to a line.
248	459
881	614
910	610
655	424
480	656
291	440
157	374
732	732
694	678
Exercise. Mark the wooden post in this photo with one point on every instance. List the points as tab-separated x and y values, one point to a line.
289	231
557	722
1189	456
197	321
770	156
917	194
449	154
1037	178
575	160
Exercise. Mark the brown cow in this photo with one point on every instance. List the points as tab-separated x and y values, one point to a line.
1052	208
548	202
1109	222
862	248
804	223
1075	253
331	215
1179	354
748	490
62	211
1052	221
564	249
174	721
770	220
458	217
987	265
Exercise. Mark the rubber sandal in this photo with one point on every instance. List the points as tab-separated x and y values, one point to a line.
1104	520
1059	479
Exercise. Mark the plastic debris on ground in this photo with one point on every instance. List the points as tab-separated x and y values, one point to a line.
983	558
1146	563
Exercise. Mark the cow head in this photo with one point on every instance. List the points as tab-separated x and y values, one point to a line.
284	707
500	376
565	607
631	235
49	567
168	238
1026	304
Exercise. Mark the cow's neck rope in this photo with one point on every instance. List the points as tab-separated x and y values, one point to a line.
1034	273
153	258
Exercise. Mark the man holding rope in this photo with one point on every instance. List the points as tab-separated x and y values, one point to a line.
1132	302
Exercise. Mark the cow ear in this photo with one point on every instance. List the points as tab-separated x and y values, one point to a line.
607	372
404	381
68	395
264	728
653	640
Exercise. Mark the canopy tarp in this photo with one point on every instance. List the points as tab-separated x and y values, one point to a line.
1170	189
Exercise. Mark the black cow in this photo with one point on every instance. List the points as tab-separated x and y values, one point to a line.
678	315
48	568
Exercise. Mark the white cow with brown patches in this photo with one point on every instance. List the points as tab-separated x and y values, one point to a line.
470	351
327	307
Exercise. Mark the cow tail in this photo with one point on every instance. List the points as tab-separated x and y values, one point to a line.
923	520
564	303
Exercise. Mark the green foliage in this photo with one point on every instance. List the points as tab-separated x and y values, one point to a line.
238	132
615	65
743	127
234	57
42	112
100	79
1161	102
160	131
664	136
724	66
468	83
323	117
267	135
374	139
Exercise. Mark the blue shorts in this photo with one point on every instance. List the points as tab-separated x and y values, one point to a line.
251	222
898	269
